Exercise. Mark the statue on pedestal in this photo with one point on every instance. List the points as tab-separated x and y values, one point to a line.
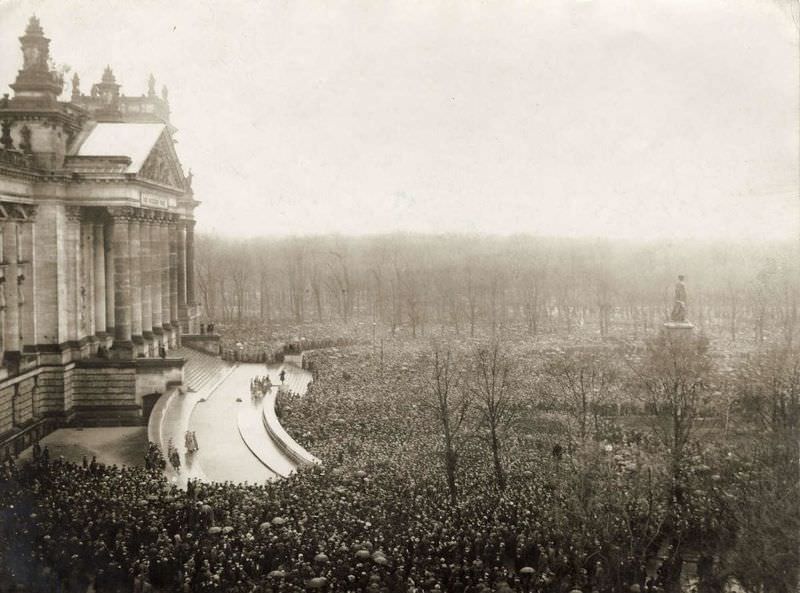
679	309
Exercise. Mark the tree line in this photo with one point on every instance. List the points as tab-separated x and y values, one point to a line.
471	285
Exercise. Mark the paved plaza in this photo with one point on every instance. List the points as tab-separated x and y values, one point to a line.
116	445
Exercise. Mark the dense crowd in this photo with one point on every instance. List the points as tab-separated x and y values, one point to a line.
376	516
248	342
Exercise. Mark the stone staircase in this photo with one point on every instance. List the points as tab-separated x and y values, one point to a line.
171	414
201	369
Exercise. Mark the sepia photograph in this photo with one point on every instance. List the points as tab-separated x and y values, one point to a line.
400	296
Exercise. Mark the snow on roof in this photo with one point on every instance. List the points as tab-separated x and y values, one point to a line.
131	140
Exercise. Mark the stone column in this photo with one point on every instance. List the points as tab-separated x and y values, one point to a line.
147	276
9	287
155	273
190	290
173	275
27	305
134	245
181	239
108	240
72	308
98	240
86	278
163	252
122	286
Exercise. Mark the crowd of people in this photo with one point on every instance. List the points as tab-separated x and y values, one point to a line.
375	517
260	386
248	342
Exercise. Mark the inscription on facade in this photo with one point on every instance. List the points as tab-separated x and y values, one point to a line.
153	201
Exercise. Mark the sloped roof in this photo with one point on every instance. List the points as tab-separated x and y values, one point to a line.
135	141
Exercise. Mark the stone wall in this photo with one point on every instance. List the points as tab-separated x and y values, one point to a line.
53	398
31	406
6	407
104	393
207	343
23	401
155	375
19	402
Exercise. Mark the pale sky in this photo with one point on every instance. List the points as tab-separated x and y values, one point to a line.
617	118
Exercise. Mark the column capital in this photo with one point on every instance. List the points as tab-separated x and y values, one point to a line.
74	213
146	215
162	218
122	213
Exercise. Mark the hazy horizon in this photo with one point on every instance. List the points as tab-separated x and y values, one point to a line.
600	119
777	242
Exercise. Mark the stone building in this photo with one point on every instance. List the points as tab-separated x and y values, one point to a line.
96	251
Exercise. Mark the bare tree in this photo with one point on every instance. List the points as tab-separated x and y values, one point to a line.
449	404
580	381
340	285
675	378
533	298
296	275
472	299
493	391
766	553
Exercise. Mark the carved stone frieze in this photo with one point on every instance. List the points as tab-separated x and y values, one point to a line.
162	166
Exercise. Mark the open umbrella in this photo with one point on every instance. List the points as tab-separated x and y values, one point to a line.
278	521
264	526
214	530
227	529
526	570
277	574
317	583
362	554
321	558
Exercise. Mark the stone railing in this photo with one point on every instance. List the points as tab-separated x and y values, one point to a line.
291	448
15	158
20	439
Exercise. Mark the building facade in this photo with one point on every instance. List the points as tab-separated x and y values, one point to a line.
96	250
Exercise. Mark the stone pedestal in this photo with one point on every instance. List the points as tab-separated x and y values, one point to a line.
679	331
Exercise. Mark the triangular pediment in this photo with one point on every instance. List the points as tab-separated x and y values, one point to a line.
162	165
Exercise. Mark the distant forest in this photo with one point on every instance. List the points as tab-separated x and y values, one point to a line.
472	285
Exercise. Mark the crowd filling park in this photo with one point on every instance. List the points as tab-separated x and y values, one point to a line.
490	415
